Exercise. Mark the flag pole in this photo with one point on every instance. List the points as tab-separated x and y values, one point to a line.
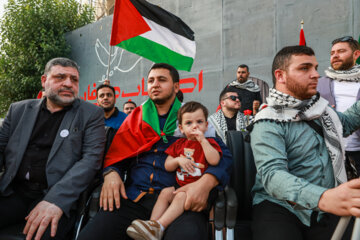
108	68
107	79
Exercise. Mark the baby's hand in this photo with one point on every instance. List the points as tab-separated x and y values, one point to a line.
186	164
199	135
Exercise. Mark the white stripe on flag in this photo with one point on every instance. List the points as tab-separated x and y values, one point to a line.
169	39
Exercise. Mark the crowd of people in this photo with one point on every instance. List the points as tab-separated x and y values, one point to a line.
163	162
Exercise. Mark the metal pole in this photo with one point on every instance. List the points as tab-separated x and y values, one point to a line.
356	230
108	69
340	228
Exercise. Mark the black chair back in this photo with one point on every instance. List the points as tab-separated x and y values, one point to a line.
244	172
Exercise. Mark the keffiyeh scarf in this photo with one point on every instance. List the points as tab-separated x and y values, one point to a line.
351	75
219	122
285	108
248	85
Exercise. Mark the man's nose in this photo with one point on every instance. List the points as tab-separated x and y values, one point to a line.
156	83
67	82
335	55
315	74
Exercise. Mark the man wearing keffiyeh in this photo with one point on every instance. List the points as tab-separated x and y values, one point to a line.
341	87
247	90
301	185
229	117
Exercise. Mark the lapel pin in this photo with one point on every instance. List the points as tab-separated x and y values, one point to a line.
64	133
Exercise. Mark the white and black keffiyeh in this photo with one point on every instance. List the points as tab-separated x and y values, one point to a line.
285	108
351	75
248	85
219	122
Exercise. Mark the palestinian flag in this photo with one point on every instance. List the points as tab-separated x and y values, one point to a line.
153	33
140	131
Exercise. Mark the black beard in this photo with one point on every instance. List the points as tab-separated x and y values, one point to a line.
108	109
241	80
163	100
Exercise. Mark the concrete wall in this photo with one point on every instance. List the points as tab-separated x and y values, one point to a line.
227	33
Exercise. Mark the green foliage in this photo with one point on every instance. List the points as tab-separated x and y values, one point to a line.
31	33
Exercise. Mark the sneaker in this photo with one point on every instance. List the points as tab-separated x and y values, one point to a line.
144	230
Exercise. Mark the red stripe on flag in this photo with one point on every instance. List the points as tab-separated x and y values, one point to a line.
127	22
133	137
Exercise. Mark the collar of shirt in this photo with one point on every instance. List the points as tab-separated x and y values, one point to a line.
44	107
115	113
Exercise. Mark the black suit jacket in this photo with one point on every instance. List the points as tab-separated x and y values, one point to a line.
74	159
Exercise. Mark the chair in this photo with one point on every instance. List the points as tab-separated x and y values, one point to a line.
91	207
238	195
13	232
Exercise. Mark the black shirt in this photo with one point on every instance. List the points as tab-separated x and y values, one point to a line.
231	122
33	165
246	98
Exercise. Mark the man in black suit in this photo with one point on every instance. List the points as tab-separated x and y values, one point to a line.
50	150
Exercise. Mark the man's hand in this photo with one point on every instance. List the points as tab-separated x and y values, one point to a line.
198	192
343	200
186	164
106	82
112	188
40	217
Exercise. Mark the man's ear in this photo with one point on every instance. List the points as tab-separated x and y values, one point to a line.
176	87
356	55
280	76
221	103
43	80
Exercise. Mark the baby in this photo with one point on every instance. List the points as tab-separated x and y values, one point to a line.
190	157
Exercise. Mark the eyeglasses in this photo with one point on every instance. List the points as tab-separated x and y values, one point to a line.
343	39
232	98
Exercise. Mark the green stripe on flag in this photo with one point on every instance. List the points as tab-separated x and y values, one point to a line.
150	116
156	52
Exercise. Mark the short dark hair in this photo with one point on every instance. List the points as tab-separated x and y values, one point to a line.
282	58
173	72
64	62
105	86
180	95
244	66
225	91
353	44
129	102
191	107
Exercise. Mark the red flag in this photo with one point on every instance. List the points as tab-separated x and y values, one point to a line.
302	41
